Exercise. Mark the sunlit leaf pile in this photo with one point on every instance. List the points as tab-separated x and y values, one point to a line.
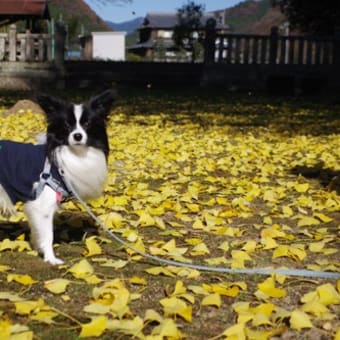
219	181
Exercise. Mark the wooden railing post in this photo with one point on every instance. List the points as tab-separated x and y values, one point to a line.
29	48
60	38
12	42
274	39
209	42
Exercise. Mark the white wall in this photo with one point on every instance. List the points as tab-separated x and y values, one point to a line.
109	45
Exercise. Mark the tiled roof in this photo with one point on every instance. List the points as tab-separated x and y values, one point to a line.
23	8
168	44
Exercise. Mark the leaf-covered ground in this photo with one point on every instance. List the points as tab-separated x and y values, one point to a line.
240	182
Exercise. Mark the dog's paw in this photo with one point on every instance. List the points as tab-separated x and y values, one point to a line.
53	260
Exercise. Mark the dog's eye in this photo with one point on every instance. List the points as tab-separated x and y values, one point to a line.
86	125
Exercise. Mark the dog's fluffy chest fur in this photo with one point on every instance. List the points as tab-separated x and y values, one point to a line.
84	167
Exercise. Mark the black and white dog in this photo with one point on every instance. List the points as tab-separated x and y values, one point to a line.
75	152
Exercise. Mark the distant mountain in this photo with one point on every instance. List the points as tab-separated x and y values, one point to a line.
126	26
78	16
251	16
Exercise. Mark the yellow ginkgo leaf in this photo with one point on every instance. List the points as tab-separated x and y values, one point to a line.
300	320
10	296
129	327
184	272
268	288
337	334
93	279
212	300
45	316
236	332
175	306
297	253
119	200
81	269
309	297
267	220
94	328
97	308
301	188
314	307
268	243
118	264
19	245
93	247
250	246
316	247
224	246
323	218
200	249
264	308
152	315
167	329
239	257
231	290
307	221
160	270
260	319
215	261
287	211
22	279
146	220
28	306
112	220
328	294
289	251
56	286
5	328
159	222
179	288
135	280
198	224
4	268
281	251
265	335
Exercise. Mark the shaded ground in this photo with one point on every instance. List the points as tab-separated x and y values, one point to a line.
238	171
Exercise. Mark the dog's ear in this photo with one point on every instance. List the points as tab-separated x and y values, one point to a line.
102	103
52	106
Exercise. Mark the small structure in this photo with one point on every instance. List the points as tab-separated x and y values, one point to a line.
31	11
27	40
157	30
103	46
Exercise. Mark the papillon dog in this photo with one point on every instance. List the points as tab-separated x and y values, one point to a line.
75	152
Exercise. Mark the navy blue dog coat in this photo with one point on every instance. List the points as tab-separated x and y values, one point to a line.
20	167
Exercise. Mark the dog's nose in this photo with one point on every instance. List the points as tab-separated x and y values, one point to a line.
78	137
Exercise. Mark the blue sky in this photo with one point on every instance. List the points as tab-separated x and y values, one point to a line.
118	12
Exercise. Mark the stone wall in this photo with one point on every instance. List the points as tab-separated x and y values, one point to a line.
28	76
101	74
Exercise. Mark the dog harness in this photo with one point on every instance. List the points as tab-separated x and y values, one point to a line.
59	186
22	165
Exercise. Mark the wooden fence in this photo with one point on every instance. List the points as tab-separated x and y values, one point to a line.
25	46
270	49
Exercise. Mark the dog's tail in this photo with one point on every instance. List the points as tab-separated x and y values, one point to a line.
7	208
